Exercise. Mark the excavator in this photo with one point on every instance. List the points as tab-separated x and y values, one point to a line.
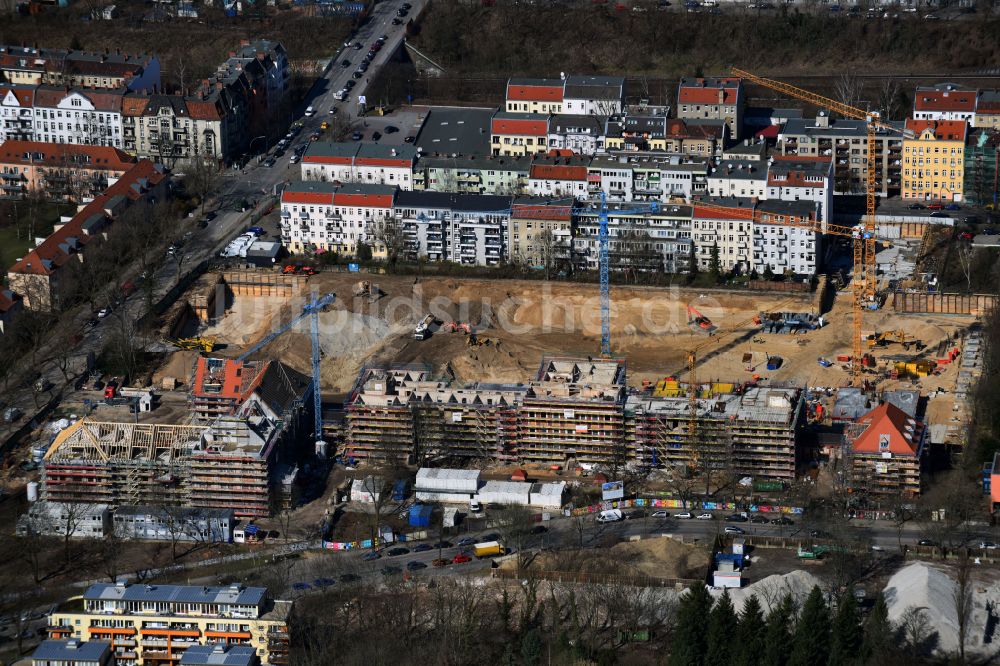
886	338
703	322
193	344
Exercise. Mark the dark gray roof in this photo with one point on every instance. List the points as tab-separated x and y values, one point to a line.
489	162
382	151
243	596
594	87
219	655
282	387
312	186
72	650
740	170
759	113
331	149
575	122
802	207
838	127
456	131
452	201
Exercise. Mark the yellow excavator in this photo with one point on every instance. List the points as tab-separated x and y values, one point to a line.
892	337
195	344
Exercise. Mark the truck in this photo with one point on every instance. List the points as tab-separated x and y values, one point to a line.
488	549
423	329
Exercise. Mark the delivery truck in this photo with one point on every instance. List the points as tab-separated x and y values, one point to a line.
488	549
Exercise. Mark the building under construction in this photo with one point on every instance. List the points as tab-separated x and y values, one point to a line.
223	465
579	409
747	431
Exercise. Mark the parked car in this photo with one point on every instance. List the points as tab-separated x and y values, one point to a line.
926	542
423	548
732	529
782	521
443	544
324	582
372	556
684	515
988	545
358	74
935	206
409	139
461	558
736	518
391	129
357	136
397	21
310	110
953	206
659	513
376	136
301	586
632	515
415	566
270	162
758	520
345	64
705	516
396	552
103	312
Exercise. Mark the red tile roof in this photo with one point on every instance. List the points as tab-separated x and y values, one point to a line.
944	130
363	200
558	172
25	96
205	110
700	93
527	93
678	129
383	162
134	106
702	213
235	380
528	211
51	96
327	159
940	100
56	250
322	198
65	155
511	126
888	429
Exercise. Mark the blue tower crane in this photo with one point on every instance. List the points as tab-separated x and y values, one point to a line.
602	236
311	310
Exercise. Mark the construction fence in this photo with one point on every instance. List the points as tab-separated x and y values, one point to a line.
977	305
263	283
692	505
590	578
791	287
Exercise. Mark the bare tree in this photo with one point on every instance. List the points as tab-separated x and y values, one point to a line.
888	98
966	254
916	630
69	523
112	551
202	178
847	88
962	598
389	234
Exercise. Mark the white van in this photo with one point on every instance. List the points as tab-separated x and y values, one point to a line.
475	506
610	516
310	111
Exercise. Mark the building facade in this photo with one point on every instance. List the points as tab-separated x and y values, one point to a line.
326	217
884	449
934	160
60	172
713	98
945	101
112	71
360	163
519	133
85	116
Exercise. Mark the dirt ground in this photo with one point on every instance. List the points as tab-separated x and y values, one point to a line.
662	557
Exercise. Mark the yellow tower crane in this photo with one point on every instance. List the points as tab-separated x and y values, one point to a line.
864	284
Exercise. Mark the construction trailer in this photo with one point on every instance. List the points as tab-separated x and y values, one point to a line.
227	464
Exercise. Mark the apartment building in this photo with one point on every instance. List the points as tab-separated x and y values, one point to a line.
113	71
934	160
360	163
653	177
780	244
176	129
747	432
593	95
227	387
611	175
944	101
802	179
987	110
72	653
847	142
86	116
582	134
730	231
464	228
574	94
472	174
638	241
713	98
982	167
44	276
158	523
59	171
327	217
738	178
219	654
636	132
541	231
559	177
265	62
155	624
17	112
703	138
884	449
519	133
543	96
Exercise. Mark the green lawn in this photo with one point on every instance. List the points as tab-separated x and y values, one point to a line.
11	247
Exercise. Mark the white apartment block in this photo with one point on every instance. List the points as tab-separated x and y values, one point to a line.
593	95
17	113
782	246
648	242
731	232
88	117
470	229
611	175
802	179
326	217
583	134
738	178
354	162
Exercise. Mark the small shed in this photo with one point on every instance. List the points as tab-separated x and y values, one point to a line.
505	492
519	475
367	490
420	515
548	495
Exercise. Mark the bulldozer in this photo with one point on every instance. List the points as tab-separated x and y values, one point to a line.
194	344
366	288
478	341
893	337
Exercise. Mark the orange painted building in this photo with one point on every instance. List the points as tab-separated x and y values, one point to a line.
60	171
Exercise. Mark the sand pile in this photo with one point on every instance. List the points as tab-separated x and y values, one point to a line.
926	587
771	590
179	365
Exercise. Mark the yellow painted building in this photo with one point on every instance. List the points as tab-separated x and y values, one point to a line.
150	625
933	160
517	134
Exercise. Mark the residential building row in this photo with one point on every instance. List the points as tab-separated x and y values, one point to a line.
60	171
245	99
143	523
549	230
30	65
949	101
44	276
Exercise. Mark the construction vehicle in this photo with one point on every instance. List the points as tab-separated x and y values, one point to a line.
457	326
696	318
478	341
422	331
892	337
864	283
366	288
192	344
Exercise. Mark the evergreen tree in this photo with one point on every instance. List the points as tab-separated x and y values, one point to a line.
689	645
811	644
751	633
714	264
845	642
364	252
692	263
531	647
778	640
722	627
877	642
